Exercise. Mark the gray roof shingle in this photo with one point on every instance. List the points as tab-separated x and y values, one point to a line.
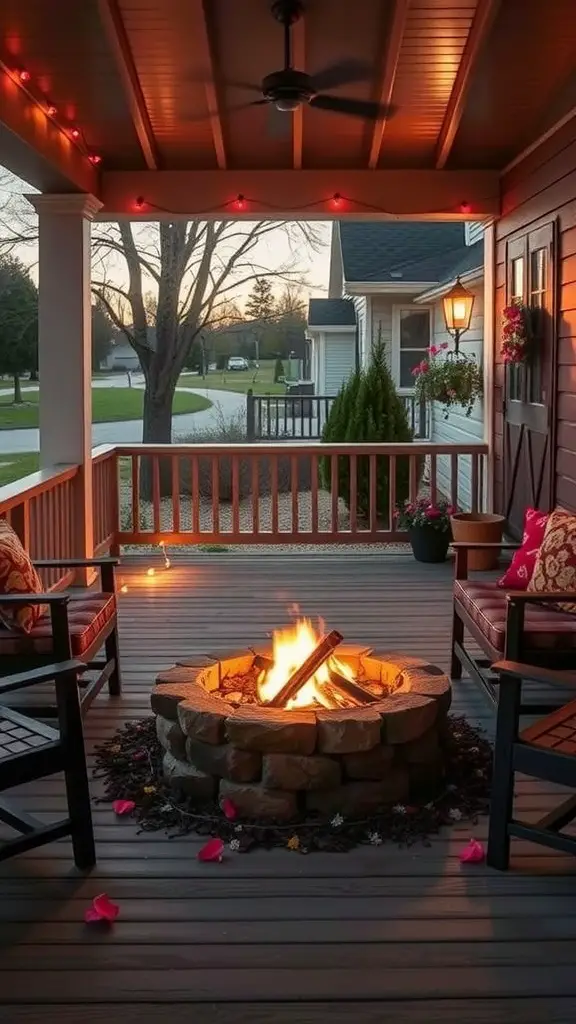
331	312
400	250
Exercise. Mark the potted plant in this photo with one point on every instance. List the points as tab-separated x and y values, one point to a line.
449	378
428	526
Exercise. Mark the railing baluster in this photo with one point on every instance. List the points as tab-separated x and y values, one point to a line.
373	493
353	469
156	500
274	493
391	491
474	484
135	493
215	494
255	494
294	474
314	524
195	498
235	495
413	472
175	494
433	479
454	479
334	493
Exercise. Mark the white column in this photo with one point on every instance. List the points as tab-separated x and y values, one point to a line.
65	346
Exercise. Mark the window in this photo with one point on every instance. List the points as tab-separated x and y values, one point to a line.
411	341
537	302
529	285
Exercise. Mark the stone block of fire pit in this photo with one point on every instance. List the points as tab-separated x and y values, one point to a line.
430	681
363	797
224	760
348	731
260	803
171	737
297	772
405	716
203	716
272	730
166	697
424	750
186	779
369	764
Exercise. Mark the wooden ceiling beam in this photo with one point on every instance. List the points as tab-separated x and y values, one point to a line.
426	194
395	38
111	18
34	146
200	9
483	20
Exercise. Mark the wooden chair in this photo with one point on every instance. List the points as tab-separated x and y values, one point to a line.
78	624
545	750
516	625
31	750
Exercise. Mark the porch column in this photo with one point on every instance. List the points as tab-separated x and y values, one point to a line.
65	347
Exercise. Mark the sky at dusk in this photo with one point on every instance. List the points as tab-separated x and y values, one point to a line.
272	252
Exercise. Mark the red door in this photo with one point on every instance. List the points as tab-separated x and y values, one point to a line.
530	387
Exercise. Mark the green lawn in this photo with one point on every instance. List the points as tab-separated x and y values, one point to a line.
261	381
13	467
108	405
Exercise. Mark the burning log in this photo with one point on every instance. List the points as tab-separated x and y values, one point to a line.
319	655
358	694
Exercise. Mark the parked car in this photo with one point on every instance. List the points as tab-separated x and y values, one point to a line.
237	363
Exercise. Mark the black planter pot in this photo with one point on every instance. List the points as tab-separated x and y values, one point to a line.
429	545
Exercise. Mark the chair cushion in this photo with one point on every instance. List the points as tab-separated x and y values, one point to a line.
18	576
544	628
87	617
519	572
555	567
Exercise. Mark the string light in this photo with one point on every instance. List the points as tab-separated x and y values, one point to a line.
336	200
51	110
139	202
24	76
167	562
240	202
465	207
95	159
151	571
75	133
123	589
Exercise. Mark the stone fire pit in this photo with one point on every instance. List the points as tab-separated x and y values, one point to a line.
276	764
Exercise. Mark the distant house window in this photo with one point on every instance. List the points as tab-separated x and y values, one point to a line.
410	343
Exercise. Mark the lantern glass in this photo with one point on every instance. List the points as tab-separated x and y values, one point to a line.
458	305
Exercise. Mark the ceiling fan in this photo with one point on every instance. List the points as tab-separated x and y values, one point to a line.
288	89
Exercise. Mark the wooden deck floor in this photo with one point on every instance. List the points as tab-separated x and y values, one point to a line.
372	935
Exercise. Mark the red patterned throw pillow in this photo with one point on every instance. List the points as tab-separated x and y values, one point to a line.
18	576
519	572
555	567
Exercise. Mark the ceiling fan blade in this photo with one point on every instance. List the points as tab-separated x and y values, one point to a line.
343	73
351	107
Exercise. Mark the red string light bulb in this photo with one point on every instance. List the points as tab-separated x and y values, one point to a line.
240	202
139	202
95	159
336	201
465	207
24	76
75	133
51	109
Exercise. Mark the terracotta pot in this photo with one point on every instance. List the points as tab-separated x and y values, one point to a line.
483	527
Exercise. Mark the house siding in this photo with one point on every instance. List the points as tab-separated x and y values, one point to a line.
473	232
459	428
339	359
537	191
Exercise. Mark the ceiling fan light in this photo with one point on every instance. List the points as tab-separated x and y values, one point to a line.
287	104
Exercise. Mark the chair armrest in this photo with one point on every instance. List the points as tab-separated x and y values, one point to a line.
20	680
535	597
75	563
51	599
548	676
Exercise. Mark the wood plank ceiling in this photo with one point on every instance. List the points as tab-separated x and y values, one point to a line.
159	84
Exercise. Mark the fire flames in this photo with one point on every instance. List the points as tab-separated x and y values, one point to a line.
291	647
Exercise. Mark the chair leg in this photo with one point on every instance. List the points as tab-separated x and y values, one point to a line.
112	654
501	803
457	638
75	771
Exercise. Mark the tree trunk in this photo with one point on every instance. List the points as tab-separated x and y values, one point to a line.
17	390
156	429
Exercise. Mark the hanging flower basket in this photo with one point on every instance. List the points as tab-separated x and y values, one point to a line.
515	334
450	379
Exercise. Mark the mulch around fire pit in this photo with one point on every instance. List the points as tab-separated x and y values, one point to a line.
130	764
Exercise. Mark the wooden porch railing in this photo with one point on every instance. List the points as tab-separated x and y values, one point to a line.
282	493
294	417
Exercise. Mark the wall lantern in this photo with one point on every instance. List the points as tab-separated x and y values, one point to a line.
458	304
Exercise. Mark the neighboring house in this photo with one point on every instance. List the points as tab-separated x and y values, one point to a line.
387	280
123	357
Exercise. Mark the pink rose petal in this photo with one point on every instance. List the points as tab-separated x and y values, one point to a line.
212	851
472	853
102	909
229	808
123	806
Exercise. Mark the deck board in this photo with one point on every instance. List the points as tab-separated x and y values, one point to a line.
377	934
